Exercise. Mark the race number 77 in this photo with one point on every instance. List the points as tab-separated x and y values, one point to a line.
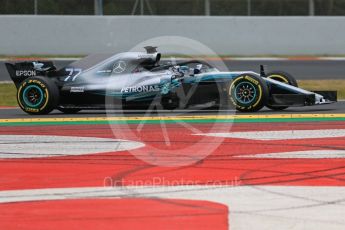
72	73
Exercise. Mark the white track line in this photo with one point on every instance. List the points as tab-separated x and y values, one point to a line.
250	207
308	154
33	146
281	135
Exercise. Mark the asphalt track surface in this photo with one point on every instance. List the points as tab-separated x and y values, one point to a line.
300	69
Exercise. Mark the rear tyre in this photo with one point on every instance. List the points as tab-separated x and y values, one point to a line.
37	95
281	77
248	93
69	110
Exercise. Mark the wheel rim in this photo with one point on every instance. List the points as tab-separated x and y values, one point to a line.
33	96
245	92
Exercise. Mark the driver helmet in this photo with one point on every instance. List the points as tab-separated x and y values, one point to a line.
184	69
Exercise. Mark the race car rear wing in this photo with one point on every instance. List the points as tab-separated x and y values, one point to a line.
22	70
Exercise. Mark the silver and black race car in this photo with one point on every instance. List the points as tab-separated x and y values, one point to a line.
138	80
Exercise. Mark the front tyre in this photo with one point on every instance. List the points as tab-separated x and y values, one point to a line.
37	95
248	93
281	77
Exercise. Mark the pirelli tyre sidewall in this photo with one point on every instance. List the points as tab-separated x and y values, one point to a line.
37	95
248	93
281	77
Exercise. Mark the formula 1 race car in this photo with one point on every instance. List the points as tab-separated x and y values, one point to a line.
138	80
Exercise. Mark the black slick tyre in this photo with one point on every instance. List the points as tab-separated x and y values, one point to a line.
248	93
37	95
281	77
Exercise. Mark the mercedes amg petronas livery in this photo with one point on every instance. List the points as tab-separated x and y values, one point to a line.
138	80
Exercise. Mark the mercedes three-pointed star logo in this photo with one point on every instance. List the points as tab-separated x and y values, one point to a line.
119	67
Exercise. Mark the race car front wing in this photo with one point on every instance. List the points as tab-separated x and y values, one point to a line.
300	97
